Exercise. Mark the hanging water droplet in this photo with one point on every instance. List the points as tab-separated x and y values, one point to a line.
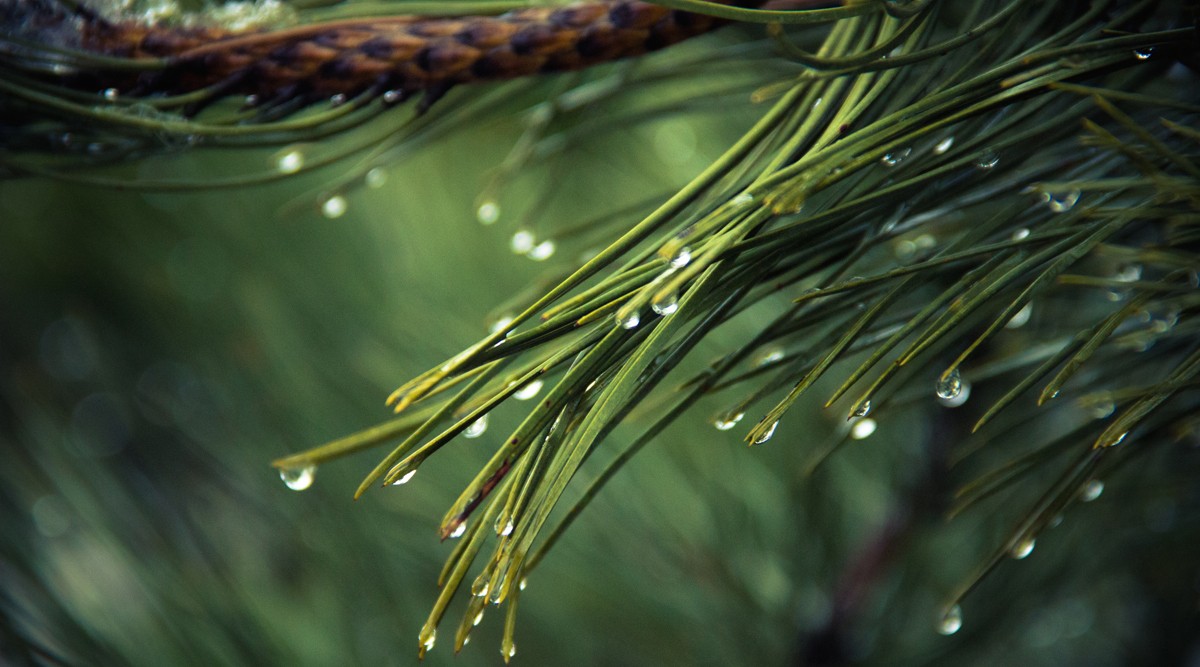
481	586
895	157
1118	440
943	146
1091	491
1061	202
478	618
964	393
393	97
949	385
951	621
337	100
744	199
250	100
988	160
111	94
863	409
629	319
476	428
506	529
541	251
459	530
1128	273
1021	317
681	258
290	161
428	637
1143	53
1022	549
512	650
405	478
334	207
1020	234
299	478
375	178
501	323
528	391
863	428
665	304
522	583
729	419
522	242
767	434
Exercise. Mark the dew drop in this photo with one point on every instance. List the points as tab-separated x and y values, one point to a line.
428	638
896	157
1021	317
1022	549
665	304
487	213
943	146
251	101
337	100
507	529
334	207
300	478
863	409
393	97
480	587
1128	273
744	199
528	391
988	160
863	428
1103	410
629	320
405	478
501	323
1020	234
522	242
727	420
949	385
522	583
1143	53
459	530
1118	440
964	393
768	356
375	178
1091	491
951	621
111	94
1061	202
510	652
476	428
542	251
767	434
478	618
289	161
681	258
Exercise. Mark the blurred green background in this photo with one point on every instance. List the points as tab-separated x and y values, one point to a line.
158	350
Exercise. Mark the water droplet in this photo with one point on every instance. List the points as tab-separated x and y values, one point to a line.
478	618
728	419
393	97
988	160
1091	491
863	428
337	100
925	242
290	161
512	650
681	258
500	324
405	478
375	178
629	320
506	529
768	356
300	478
1061	202
488	212
863	409
522	583
1143	53
251	101
949	385
943	146
951	621
522	242
895	157
528	391
1021	317
1103	409
459	530
334	207
1118	440
767	434
1020	234
665	304
1128	273
964	393
744	199
476	428
541	251
481	586
111	94
428	637
1022	549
